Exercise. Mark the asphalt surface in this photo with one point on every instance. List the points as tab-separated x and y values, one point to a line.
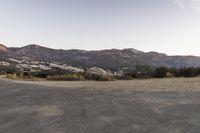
39	109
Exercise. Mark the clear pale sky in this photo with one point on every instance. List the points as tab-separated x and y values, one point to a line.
168	26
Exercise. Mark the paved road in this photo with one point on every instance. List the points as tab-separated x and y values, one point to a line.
39	109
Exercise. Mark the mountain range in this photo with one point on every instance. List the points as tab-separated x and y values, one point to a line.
113	59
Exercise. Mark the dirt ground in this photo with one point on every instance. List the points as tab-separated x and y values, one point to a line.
165	84
137	106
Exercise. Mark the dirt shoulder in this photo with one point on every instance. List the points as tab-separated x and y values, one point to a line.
166	84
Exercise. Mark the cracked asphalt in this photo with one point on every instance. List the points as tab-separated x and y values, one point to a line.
26	108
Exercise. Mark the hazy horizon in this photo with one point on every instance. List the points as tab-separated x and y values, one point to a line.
166	26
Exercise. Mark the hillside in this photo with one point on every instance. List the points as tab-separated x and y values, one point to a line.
3	48
113	59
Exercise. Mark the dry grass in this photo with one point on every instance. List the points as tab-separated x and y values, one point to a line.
166	84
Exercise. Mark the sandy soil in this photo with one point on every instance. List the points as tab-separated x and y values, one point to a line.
166	84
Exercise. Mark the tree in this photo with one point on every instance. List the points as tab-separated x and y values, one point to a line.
160	72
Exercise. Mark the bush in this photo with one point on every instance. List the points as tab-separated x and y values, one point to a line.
8	70
67	77
99	77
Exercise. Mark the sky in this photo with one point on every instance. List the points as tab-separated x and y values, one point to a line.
166	26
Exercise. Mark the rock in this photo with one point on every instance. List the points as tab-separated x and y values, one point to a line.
3	48
96	73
